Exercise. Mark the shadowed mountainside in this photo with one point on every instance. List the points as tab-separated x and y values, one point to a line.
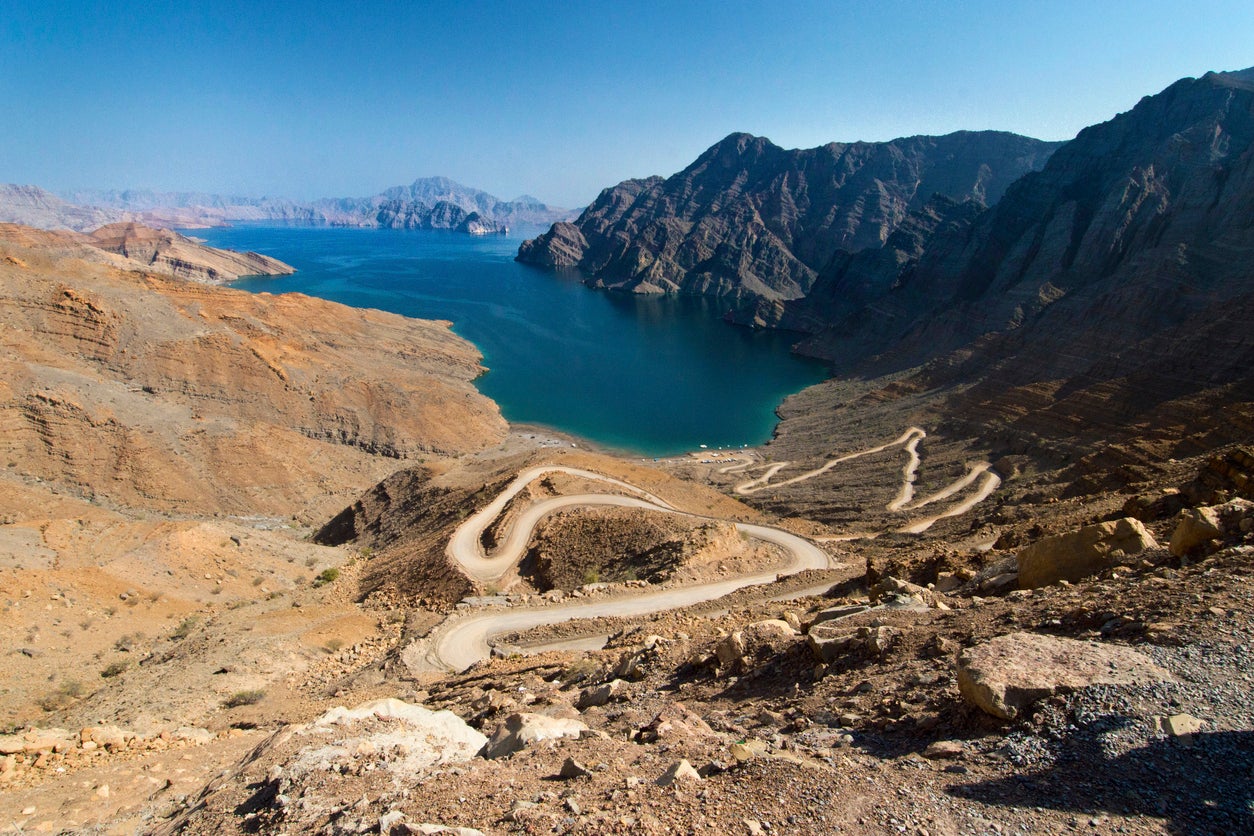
749	220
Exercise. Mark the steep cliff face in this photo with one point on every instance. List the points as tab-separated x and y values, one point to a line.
749	220
1106	298
1136	224
171	395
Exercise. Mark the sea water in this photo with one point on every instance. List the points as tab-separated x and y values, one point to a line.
651	375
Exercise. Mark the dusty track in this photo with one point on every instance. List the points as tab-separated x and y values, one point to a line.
461	643
904	501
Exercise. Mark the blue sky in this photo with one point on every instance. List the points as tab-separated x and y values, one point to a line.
312	99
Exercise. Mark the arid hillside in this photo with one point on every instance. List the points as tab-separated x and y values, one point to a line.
165	395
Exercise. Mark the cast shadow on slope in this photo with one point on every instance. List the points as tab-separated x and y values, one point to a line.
1202	788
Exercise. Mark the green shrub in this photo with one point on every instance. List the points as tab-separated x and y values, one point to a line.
326	576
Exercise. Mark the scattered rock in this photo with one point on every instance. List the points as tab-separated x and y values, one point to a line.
1197	529
682	771
676	722
746	750
521	730
572	768
1181	726
834	613
944	750
600	694
411	737
1078	554
730	650
436	830
1007	674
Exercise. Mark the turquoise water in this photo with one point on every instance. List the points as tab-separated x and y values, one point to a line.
648	375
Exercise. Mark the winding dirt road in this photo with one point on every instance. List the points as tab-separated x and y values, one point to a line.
460	643
904	501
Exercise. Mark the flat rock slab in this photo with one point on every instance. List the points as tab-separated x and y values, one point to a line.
1007	674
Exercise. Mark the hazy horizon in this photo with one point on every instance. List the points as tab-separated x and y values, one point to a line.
325	100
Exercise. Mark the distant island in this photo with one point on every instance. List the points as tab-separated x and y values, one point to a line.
427	203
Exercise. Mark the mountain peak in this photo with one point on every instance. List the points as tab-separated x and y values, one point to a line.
1243	79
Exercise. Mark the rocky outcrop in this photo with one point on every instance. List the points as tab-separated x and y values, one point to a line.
751	221
1006	675
1200	531
409	738
519	731
1104	299
1120	228
164	251
1078	554
427	203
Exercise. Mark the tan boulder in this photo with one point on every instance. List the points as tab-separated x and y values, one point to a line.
1078	554
601	694
730	649
1197	527
1007	674
521	730
682	771
676	722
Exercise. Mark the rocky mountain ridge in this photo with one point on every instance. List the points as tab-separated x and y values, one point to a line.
749	220
32	206
1157	200
427	203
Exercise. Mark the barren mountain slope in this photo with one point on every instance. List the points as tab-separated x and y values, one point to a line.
167	395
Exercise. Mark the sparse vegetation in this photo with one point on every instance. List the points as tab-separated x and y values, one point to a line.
241	698
114	669
185	628
127	642
584	668
326	576
592	575
69	691
333	645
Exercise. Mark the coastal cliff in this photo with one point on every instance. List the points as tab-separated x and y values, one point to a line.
749	220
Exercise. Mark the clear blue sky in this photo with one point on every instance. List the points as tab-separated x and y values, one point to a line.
310	99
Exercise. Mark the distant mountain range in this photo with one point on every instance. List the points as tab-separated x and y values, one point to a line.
427	203
749	220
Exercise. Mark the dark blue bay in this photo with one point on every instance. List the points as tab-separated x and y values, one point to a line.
650	375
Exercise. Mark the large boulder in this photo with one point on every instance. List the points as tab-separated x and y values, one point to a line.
521	730
1007	674
1078	554
1198	529
410	737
